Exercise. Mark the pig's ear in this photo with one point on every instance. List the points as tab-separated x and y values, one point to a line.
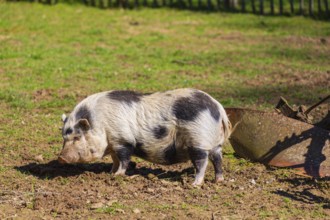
64	117
83	124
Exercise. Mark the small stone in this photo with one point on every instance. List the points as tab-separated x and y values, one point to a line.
163	189
164	182
150	190
178	188
151	176
133	176
323	40
96	205
136	211
120	210
111	202
175	183
253	182
39	158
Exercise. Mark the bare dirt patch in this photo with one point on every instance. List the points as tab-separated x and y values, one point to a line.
50	190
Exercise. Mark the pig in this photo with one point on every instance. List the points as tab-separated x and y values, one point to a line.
163	127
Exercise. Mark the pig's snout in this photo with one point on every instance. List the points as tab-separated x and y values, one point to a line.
61	160
67	157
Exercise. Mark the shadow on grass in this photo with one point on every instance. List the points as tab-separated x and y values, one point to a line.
306	195
54	169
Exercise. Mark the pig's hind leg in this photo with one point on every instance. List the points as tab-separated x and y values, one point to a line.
199	158
215	157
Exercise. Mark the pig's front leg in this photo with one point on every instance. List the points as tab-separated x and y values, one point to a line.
123	155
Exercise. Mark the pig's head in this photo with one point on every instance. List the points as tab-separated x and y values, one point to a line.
80	143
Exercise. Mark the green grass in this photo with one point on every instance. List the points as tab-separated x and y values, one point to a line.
113	209
73	51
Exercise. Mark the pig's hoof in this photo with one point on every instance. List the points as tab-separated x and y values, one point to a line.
196	186
113	171
61	160
120	173
197	183
219	178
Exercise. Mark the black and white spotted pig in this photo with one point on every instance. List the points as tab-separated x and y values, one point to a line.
164	128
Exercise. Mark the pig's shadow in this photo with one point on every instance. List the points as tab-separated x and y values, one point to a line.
54	169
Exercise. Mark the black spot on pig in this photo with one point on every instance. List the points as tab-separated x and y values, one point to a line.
196	153
188	108
160	132
68	131
138	150
84	113
125	152
65	120
170	154
128	97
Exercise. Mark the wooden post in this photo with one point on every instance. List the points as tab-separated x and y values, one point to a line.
181	4
272	7
233	4
209	4
243	5
326	5
190	4
92	3
227	4
311	7
281	7
301	7
155	3
319	8
253	6
261	6
219	4
292	6
101	4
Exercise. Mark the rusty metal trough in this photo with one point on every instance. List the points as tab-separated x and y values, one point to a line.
276	140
